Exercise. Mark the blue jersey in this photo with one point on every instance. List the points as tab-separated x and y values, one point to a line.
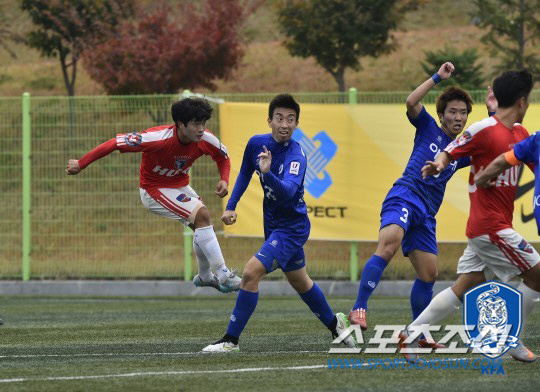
283	185
429	140
528	151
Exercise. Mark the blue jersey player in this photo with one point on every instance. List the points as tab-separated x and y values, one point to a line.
409	209
281	165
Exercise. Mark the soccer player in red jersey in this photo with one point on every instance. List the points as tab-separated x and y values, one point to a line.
167	154
494	247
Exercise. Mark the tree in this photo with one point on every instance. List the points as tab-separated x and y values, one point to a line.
161	53
7	36
513	27
65	28
468	74
337	33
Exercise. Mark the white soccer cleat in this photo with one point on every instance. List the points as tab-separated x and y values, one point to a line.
221	347
231	283
522	353
341	326
214	282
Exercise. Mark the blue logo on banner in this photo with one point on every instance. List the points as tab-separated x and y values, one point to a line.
317	180
494	310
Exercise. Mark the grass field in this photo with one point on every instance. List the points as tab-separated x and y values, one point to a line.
153	344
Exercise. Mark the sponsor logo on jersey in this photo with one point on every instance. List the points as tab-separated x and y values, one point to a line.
183	198
525	246
317	180
295	168
133	139
494	310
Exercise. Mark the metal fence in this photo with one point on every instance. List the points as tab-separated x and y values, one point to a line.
93	225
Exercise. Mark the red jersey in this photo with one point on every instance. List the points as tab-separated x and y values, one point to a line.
165	161
491	208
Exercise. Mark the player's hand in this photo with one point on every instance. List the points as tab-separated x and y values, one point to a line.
265	160
431	169
482	180
446	70
73	167
491	101
229	217
222	189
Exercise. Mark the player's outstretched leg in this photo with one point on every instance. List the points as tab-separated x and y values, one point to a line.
246	303
314	298
206	239
205	277
390	237
371	276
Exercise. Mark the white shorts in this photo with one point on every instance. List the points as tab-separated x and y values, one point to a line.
174	203
505	254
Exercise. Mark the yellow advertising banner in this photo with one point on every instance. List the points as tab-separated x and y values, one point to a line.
357	152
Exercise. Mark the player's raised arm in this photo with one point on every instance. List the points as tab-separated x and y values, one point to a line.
491	102
75	166
414	106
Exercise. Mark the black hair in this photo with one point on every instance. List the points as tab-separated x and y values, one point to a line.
187	109
283	101
511	86
453	94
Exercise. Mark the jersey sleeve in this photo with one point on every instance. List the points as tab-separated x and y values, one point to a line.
210	145
463	162
471	142
422	122
99	152
243	179
136	142
293	175
527	150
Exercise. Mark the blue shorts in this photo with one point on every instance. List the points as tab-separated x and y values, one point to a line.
405	208
283	249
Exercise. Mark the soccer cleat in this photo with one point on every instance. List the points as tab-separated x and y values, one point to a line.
522	353
410	357
214	282
1	322
221	346
358	317
341	325
423	343
231	283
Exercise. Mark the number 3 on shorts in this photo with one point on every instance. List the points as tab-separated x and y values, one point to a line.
405	215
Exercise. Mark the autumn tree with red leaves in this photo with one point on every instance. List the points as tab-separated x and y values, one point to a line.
158	53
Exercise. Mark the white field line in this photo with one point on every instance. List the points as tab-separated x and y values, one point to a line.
169	373
146	354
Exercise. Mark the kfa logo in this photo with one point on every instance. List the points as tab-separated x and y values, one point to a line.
494	309
317	180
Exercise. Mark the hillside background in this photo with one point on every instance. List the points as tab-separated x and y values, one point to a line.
267	66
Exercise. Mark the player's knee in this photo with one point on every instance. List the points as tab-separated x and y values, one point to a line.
387	251
430	275
202	219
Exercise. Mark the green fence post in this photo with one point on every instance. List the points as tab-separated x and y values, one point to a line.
353	254
188	245
26	187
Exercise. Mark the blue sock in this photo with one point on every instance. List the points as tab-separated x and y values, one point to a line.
421	295
314	298
245	305
371	276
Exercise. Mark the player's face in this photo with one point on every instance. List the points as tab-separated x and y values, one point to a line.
282	124
454	118
192	132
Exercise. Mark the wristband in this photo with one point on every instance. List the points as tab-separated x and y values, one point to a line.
490	114
436	78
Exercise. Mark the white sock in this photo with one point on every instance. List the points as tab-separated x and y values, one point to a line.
441	306
207	241
530	298
202	262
